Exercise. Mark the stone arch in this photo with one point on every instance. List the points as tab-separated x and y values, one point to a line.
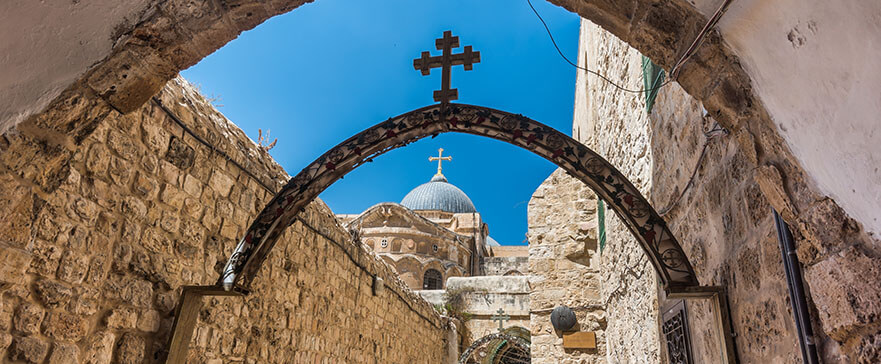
396	245
423	247
389	260
432	279
435	264
455	271
649	229
410	270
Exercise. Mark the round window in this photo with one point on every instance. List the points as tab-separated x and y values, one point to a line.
434	248
383	243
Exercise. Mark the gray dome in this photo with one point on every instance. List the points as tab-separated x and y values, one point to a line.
438	194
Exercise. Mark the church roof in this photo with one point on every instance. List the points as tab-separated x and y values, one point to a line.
438	194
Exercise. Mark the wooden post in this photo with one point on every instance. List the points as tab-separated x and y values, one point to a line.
186	314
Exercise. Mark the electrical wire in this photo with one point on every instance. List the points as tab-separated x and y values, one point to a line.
674	73
699	40
711	134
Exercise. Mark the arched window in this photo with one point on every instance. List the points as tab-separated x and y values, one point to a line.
432	280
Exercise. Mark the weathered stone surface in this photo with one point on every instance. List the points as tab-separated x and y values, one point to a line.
149	321
52	294
771	183
64	326
29	349
73	268
46	257
825	229
15	263
844	290
221	183
64	353
98	348
122	318
180	154
5	341
130	349
28	318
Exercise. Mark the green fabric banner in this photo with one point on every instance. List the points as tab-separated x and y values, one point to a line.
652	77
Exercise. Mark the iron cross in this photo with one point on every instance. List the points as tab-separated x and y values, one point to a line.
440	158
446	61
501	317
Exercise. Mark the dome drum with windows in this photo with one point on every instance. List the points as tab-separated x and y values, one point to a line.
434	233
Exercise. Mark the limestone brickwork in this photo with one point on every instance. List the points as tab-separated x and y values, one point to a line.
564	262
615	125
106	216
482	297
723	221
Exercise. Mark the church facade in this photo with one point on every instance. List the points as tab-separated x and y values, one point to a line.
433	234
437	242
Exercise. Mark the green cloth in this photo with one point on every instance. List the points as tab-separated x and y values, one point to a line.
652	77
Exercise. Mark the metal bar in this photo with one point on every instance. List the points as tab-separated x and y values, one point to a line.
796	292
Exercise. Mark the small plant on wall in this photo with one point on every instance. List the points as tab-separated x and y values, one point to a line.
454	303
262	140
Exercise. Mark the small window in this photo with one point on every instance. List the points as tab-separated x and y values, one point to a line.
384	243
432	280
434	248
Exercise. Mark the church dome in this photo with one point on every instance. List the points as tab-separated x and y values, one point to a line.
438	194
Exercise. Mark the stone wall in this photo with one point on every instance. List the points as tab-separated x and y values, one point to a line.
104	217
482	297
723	221
565	268
504	266
615	125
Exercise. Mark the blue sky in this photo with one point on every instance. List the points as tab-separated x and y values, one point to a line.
329	69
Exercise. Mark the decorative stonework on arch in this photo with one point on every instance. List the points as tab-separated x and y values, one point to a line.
665	253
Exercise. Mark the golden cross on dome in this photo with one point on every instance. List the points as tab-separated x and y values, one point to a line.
446	61
440	158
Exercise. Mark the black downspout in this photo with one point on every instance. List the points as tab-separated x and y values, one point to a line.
796	292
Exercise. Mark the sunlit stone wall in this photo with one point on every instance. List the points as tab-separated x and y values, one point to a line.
104	217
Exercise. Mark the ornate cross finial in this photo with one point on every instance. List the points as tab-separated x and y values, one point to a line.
446	61
440	158
501	317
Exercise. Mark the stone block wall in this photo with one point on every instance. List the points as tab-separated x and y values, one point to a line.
104	217
502	266
565	268
483	296
723	221
615	125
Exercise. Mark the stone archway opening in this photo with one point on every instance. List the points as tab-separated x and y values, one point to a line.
666	255
673	269
142	63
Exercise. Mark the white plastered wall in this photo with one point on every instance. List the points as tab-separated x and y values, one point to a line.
816	66
46	45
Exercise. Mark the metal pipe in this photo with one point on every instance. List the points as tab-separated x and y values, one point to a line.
792	267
